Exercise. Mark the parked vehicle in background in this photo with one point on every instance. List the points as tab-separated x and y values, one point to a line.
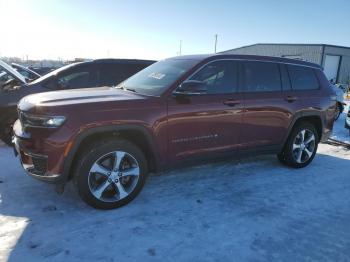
175	111
347	120
101	72
9	76
340	101
26	72
42	70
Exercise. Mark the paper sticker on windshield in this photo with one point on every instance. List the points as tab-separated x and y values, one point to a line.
157	75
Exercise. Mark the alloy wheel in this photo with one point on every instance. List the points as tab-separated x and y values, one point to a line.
304	146
113	176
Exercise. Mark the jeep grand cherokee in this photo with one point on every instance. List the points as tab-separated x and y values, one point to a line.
177	110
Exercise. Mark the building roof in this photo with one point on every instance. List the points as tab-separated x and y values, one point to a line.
280	44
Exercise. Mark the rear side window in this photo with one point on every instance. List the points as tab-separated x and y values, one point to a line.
261	77
302	78
219	77
112	75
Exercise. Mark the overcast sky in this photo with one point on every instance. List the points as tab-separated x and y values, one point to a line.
152	29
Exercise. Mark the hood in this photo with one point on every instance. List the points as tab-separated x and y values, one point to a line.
12	72
26	69
77	96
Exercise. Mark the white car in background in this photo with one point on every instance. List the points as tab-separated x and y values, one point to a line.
340	101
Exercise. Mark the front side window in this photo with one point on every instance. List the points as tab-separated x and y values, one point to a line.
80	78
218	77
261	77
302	78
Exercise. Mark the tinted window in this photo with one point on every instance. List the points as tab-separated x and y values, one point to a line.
156	78
78	78
302	78
286	86
261	77
219	77
113	74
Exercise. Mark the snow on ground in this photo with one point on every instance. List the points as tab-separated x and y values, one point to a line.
339	132
247	210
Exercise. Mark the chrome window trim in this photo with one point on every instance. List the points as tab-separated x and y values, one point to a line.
243	60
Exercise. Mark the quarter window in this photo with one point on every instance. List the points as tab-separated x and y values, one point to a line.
261	77
219	77
302	78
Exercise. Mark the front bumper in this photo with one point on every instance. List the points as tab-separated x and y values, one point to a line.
36	165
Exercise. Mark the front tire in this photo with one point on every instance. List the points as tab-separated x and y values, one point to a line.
338	111
6	131
110	174
301	146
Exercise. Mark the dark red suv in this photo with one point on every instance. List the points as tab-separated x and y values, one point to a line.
175	111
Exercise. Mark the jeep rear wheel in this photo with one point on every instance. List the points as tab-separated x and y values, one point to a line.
111	174
301	146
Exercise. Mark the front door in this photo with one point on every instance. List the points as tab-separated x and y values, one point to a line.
209	122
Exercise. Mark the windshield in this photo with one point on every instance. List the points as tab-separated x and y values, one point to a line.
156	78
52	73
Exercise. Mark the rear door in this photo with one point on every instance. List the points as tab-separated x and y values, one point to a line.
209	122
266	117
305	89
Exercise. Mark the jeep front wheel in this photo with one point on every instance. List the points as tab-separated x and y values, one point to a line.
111	174
301	146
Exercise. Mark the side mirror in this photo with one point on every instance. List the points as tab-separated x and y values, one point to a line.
191	87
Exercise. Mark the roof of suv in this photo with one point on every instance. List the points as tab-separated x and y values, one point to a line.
250	57
126	61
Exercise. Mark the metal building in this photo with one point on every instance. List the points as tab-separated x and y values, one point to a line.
334	59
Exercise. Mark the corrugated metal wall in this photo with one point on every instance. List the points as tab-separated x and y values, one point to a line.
311	53
344	70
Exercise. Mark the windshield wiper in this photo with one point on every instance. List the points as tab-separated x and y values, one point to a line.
126	88
130	89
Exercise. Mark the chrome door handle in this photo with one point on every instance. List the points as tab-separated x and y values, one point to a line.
290	99
231	102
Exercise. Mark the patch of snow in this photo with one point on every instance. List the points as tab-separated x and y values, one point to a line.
253	209
339	131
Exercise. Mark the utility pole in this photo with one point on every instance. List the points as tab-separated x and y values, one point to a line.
180	47
216	42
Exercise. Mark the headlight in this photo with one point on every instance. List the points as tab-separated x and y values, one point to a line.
41	121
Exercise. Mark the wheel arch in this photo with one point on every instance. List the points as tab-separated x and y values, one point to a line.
310	117
136	134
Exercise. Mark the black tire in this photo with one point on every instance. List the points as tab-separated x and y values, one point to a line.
94	152
281	158
6	131
290	158
338	111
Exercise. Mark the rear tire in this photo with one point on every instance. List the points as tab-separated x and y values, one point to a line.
6	131
301	146
101	173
